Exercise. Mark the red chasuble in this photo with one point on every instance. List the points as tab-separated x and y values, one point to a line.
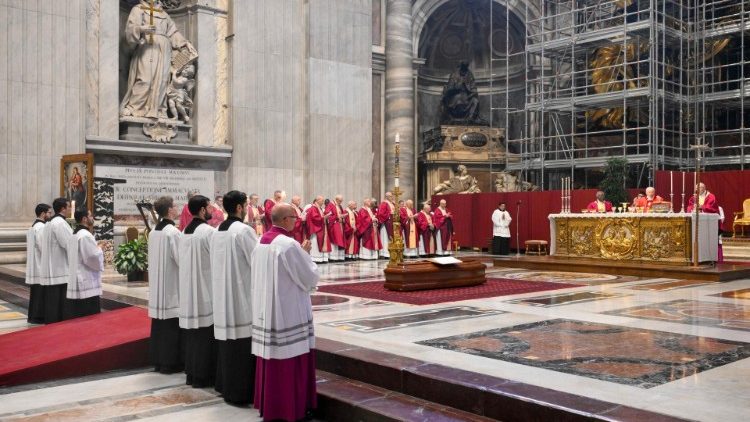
594	206
709	204
267	207
425	232
335	225
409	228
316	225
444	224
350	232
645	203
367	233
299	226
385	216
185	218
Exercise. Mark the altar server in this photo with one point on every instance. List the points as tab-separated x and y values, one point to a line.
409	226
501	230
599	204
196	307
426	229
385	220
350	231
54	257
86	263
283	276
43	213
367	230
317	227
336	228
166	345
443	229
231	251
706	201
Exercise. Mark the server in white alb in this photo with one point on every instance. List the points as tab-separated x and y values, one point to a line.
166	350
86	263
231	251
196	307
56	236
43	213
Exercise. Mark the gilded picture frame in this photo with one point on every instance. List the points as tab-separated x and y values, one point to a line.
77	180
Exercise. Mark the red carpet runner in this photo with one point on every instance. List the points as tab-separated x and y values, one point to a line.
94	344
492	288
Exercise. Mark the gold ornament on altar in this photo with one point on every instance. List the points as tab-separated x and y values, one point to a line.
617	238
396	247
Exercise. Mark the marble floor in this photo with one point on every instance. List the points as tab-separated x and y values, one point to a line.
675	347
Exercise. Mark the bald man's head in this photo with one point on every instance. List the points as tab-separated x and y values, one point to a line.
339	198
296	200
283	215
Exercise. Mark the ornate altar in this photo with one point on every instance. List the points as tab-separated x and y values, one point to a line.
662	238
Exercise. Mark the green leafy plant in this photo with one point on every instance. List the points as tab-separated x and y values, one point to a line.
615	175
132	257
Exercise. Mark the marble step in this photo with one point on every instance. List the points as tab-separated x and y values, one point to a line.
342	399
475	393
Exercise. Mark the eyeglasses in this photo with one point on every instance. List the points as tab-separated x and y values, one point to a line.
291	216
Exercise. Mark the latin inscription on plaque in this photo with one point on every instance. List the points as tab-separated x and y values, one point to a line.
474	139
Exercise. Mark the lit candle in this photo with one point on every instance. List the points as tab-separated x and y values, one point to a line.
72	209
670	180
396	182
683	183
398	138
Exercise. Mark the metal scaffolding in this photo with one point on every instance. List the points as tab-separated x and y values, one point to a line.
640	79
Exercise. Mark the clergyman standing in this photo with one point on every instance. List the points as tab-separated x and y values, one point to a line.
43	213
86	263
501	230
55	238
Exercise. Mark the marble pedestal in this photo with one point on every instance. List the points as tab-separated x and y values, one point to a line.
165	131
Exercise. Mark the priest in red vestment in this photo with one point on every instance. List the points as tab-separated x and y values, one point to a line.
706	201
268	204
443	220
350	231
317	227
299	233
385	219
283	277
367	230
217	212
255	215
645	202
185	216
599	205
426	228
336	217
409	226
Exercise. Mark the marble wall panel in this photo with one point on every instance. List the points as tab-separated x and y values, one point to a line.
41	51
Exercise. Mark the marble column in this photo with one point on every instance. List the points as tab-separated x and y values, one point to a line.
399	95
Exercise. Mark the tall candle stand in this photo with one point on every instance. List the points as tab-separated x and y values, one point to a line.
396	247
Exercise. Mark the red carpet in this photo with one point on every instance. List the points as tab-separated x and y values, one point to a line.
492	288
94	344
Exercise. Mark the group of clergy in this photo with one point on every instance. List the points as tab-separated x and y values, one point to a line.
63	265
339	232
232	308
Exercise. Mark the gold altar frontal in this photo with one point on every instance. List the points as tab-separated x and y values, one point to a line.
633	237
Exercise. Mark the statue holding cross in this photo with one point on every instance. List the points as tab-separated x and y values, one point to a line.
159	51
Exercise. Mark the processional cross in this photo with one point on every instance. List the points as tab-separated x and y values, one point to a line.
151	9
700	147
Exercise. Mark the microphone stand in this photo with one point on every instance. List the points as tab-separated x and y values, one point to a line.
518	216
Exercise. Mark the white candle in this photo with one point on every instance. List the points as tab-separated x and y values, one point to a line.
670	181
72	209
396	182
398	138
683	183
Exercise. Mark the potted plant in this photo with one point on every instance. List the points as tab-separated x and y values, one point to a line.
131	259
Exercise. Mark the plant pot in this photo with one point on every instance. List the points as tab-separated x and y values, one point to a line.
136	276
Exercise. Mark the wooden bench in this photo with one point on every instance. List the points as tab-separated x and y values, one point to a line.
536	247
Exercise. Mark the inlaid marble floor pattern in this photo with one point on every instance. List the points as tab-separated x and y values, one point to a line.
675	347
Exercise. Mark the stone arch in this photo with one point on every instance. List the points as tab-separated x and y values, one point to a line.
422	9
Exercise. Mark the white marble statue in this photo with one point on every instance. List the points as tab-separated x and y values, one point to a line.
178	96
156	50
462	182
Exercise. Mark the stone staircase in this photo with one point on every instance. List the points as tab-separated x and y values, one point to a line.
736	249
360	384
13	243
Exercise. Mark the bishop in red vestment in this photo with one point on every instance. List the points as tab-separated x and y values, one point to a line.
443	220
367	230
255	215
426	228
299	233
409	226
336	217
350	231
599	205
706	201
317	226
268	204
385	219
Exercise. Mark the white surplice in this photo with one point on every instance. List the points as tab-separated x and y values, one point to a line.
196	306
54	257
34	253
283	276
231	252
163	273
86	263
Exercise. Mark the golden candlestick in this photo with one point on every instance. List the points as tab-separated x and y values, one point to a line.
396	247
